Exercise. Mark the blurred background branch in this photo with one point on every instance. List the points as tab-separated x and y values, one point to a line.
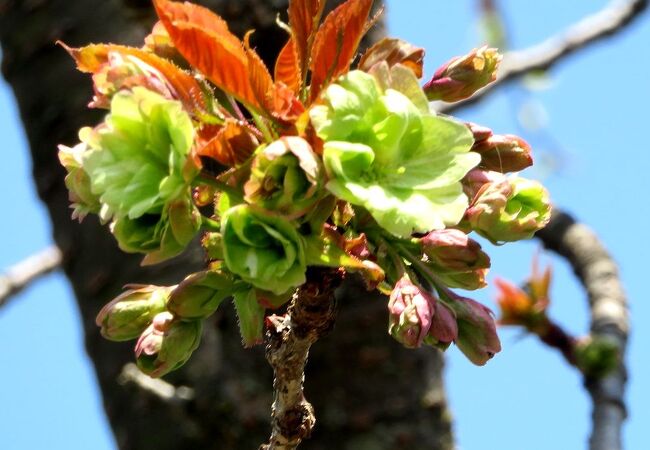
598	273
20	276
612	19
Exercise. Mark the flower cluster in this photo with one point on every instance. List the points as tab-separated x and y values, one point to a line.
316	165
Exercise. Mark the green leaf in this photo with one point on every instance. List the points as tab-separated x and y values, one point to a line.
251	316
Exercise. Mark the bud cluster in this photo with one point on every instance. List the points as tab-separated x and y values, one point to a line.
319	165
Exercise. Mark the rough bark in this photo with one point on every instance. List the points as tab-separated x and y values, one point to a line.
368	392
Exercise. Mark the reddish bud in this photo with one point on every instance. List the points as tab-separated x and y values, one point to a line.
503	153
453	250
458	260
166	344
477	335
411	311
463	75
476	179
444	328
479	132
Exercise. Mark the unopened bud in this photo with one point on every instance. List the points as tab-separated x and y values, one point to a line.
459	78
477	335
411	311
503	153
509	210
476	179
78	182
453	250
444	328
126	316
479	132
200	294
166	344
458	260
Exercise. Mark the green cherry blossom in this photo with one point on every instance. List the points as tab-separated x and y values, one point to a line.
137	164
399	161
263	249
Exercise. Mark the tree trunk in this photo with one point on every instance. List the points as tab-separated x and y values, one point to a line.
368	392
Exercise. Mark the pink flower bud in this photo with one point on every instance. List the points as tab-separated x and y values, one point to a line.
411	311
458	260
166	344
477	335
453	250
479	132
444	328
476	179
463	75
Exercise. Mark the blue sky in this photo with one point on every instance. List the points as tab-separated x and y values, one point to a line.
592	145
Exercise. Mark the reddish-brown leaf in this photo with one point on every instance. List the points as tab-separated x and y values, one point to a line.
287	68
206	132
232	145
91	58
394	51
304	16
285	104
203	38
337	41
259	77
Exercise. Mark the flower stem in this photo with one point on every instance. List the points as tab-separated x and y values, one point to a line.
210	224
233	192
267	132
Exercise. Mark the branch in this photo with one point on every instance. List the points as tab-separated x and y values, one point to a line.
607	22
21	275
609	319
288	340
157	387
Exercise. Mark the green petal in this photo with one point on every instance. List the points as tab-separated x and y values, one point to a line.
262	249
384	152
347	160
136	158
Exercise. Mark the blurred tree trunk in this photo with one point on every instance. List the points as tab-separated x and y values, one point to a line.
369	393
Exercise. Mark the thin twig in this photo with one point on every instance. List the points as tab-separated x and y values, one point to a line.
21	275
288	340
608	21
609	320
555	337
